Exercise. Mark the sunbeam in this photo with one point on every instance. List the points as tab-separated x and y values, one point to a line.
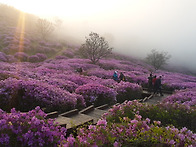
21	27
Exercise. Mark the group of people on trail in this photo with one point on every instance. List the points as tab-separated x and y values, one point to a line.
154	84
120	78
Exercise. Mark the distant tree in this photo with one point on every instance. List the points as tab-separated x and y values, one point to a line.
157	59
44	27
57	22
95	48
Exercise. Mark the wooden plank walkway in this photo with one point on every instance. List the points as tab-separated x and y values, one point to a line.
75	118
74	121
90	115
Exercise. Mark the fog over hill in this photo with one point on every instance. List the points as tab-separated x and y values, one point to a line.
132	27
156	24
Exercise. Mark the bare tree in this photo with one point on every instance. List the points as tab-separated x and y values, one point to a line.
95	48
157	59
57	22
45	27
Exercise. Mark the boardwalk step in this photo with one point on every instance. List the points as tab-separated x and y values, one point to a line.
102	107
52	114
73	130
150	97
79	119
70	113
145	94
145	99
96	114
87	110
62	121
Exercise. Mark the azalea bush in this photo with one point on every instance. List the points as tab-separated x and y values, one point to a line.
11	59
169	114
131	132
97	94
41	56
3	57
128	91
68	53
101	73
25	95
63	84
21	56
186	97
29	129
33	59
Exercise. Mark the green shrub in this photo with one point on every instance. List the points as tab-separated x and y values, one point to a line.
169	114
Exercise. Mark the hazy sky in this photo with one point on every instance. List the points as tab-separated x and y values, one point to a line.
132	27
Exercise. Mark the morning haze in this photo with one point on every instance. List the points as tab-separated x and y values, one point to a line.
132	27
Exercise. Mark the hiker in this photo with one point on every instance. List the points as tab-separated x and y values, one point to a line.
115	76
153	82
79	70
158	86
150	86
122	77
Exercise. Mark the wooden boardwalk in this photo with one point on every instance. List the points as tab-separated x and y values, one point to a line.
90	115
85	116
74	118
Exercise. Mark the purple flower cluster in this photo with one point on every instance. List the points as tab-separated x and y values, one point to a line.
39	57
68	53
128	91
21	56
7	58
33	59
185	97
26	94
29	129
101	73
124	86
177	80
64	84
132	132
3	57
97	94
15	40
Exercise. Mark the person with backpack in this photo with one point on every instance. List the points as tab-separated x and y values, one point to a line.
158	86
153	82
115	76
150	86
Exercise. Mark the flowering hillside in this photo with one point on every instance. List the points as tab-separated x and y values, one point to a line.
55	84
36	74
